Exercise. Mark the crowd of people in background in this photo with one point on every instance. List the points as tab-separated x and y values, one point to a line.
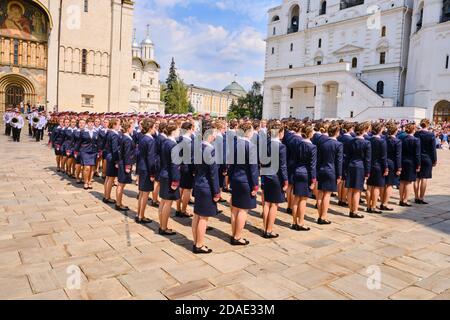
293	161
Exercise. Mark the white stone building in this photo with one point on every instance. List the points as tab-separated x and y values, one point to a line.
74	54
145	95
356	59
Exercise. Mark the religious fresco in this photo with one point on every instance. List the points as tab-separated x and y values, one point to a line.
20	19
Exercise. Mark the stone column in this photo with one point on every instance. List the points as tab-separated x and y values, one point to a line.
284	104
318	102
268	104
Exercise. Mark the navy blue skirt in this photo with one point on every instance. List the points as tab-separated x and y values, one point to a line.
145	184
187	180
327	181
409	173
111	170
241	196
88	159
392	179
355	178
273	190
426	168
376	178
165	190
123	177
204	204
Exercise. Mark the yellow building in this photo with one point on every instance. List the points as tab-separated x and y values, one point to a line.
66	55
216	103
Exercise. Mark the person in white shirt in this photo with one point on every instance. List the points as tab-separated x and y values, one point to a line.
7	116
39	135
17	124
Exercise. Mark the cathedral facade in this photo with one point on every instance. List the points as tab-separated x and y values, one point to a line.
358	59
66	55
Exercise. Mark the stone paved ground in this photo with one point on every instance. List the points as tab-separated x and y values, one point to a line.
48	225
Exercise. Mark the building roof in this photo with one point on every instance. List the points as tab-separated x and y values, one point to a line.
236	89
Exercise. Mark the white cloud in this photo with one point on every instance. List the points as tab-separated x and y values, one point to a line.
207	54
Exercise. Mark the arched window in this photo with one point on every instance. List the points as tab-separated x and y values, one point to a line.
380	87
446	11
292	47
323	8
320	43
275	18
341	60
420	18
382	57
383	31
274	31
84	61
355	62
294	19
273	50
134	75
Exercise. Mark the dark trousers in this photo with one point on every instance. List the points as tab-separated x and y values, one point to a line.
16	134
8	129
39	134
30	132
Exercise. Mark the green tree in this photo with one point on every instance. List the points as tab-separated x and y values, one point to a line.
176	99
248	106
172	78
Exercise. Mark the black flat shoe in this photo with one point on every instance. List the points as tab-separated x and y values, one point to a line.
202	250
270	235
404	204
384	208
356	215
416	201
374	211
294	227
109	201
219	211
119	208
155	204
167	232
342	204
323	222
240	242
209	228
289	210
80	182
180	214
303	228
423	202
221	200
143	221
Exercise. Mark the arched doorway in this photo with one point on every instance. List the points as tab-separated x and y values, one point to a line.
442	112
15	89
14	95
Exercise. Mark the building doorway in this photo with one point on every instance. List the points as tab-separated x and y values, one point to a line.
14	95
442	112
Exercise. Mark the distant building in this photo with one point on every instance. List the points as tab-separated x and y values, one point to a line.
145	95
216	103
355	59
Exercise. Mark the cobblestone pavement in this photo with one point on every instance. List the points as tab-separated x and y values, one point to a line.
50	227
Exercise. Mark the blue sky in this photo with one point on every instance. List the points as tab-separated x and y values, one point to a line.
211	41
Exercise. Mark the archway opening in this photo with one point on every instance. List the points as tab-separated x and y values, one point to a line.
294	19
302	95
14	95
442	112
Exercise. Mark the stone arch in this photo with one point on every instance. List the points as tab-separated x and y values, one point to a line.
294	18
442	111
20	81
301	99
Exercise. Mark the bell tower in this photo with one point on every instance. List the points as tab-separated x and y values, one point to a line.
147	48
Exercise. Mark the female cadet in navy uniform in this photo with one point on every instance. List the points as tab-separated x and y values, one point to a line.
321	135
57	140
411	160
275	177
329	170
68	147
147	168
292	139
243	175
64	139
102	133
358	166
169	178
206	189
127	158
379	168
428	158
348	128
112	158
76	155
160	137
186	142
305	155
88	151
394	156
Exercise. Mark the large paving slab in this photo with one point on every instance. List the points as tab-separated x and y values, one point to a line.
58	241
